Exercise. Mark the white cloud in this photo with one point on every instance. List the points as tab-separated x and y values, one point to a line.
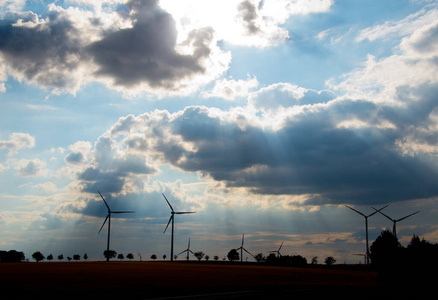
403	27
231	89
248	23
28	168
17	141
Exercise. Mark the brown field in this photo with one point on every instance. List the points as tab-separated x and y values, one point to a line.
166	280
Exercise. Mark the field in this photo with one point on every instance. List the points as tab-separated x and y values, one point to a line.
188	280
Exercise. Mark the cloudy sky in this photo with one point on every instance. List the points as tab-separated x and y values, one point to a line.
265	117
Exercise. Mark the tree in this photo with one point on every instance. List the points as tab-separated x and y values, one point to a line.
233	255
68	258
259	257
385	251
314	260
330	260
49	257
60	257
108	254
11	256
216	258
38	256
199	255
130	256
164	256
153	257
85	256
76	257
207	257
120	256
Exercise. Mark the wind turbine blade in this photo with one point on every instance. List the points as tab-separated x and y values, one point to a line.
408	216
123	212
377	210
243	238
168	202
382	214
248	252
170	219
107	216
192	252
184	212
182	252
355	210
104	201
280	246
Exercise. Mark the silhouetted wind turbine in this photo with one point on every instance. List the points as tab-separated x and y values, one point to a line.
241	248
187	250
394	229
108	217
364	256
277	251
366	227
172	218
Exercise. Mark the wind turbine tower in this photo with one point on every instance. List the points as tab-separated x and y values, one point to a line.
394	229
108	217
172	218
366	227
241	248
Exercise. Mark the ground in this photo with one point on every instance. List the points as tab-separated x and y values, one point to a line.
188	280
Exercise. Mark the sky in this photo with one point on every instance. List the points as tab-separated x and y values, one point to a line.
265	118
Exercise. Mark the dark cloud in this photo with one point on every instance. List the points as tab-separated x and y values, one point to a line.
248	12
311	153
44	52
146	52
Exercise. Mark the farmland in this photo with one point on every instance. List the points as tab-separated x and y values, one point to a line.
154	280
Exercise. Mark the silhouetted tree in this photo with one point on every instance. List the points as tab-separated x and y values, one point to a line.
216	258
385	251
207	257
164	256
11	256
60	257
153	257
120	256
38	256
329	261
49	257
68	258
233	255
76	257
314	260
85	256
108	254
199	255
271	259
130	256
259	257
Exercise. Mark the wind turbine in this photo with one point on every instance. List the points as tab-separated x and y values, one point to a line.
394	229
277	251
241	248
172	218
366	227
108	217
364	256
187	250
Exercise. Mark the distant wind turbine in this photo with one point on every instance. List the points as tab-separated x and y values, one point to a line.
364	256
172	218
278	251
108	217
366	227
394	229
241	248
188	251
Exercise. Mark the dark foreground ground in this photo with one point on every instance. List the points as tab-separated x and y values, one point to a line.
182	280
